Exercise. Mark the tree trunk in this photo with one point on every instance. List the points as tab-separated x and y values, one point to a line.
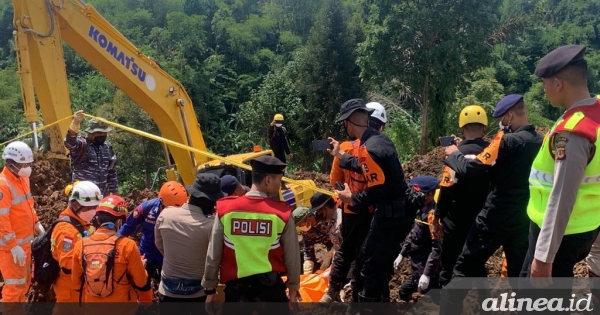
425	113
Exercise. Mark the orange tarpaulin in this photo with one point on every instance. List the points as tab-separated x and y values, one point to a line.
312	286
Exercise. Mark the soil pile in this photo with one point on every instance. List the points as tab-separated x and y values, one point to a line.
431	164
320	179
137	196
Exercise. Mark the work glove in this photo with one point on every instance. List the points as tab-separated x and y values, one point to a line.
39	228
423	283
18	255
308	267
77	119
397	262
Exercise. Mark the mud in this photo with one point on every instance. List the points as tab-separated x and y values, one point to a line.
431	164
320	179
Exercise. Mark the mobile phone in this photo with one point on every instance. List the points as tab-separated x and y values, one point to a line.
447	141
339	186
322	145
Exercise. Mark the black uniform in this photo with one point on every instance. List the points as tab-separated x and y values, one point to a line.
457	207
503	220
424	252
279	142
378	161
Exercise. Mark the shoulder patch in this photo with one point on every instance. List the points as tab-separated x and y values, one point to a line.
67	245
561	154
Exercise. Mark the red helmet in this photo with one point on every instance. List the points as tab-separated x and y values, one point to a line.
173	193
113	205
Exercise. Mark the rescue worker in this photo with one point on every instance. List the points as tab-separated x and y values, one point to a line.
422	244
259	229
171	194
278	139
324	231
565	174
92	157
378	118
503	219
128	271
230	186
356	220
461	199
84	197
386	189
18	222
182	235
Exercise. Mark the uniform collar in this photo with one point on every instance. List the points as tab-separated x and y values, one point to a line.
9	175
368	134
472	141
256	193
525	128
585	102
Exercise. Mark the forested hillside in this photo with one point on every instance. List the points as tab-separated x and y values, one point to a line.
241	61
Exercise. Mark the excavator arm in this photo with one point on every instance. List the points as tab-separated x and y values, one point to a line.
42	25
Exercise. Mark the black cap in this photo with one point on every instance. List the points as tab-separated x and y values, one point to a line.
267	164
318	200
351	106
207	186
559	58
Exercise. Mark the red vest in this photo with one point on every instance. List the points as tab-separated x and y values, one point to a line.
587	127
255	222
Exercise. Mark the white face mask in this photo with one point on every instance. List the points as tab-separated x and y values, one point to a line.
24	172
87	216
278	125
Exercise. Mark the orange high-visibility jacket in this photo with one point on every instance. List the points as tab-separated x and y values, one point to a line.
64	237
127	260
17	216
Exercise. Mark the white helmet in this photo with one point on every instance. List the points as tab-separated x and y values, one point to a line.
19	152
379	112
86	193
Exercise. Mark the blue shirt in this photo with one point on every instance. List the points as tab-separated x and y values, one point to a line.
145	215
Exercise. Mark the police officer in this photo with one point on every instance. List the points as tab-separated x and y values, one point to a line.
565	174
461	200
386	189
253	243
93	158
503	220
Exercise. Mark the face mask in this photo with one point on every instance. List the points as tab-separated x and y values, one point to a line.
278	125
24	172
503	127
87	216
99	140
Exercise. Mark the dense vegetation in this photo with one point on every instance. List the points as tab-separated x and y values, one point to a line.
242	61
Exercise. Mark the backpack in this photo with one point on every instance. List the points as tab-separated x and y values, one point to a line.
98	262
45	267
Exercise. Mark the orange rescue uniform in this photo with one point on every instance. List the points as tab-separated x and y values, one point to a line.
17	222
355	181
64	237
127	260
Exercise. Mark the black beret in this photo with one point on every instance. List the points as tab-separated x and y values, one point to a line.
505	104
559	58
267	164
424	184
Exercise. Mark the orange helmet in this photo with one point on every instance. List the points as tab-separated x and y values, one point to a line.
173	193
113	205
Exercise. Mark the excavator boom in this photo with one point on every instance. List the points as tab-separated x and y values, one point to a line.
42	25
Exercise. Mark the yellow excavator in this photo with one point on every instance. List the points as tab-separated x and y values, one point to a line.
41	26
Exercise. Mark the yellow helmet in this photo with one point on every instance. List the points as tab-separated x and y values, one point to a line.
69	187
278	117
472	114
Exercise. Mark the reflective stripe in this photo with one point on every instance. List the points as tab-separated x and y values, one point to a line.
8	237
228	242
4	211
574	120
19	241
17	199
544	177
15	281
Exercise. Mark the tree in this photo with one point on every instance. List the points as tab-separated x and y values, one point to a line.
430	46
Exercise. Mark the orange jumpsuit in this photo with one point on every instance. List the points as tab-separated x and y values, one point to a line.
64	237
17	221
127	260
